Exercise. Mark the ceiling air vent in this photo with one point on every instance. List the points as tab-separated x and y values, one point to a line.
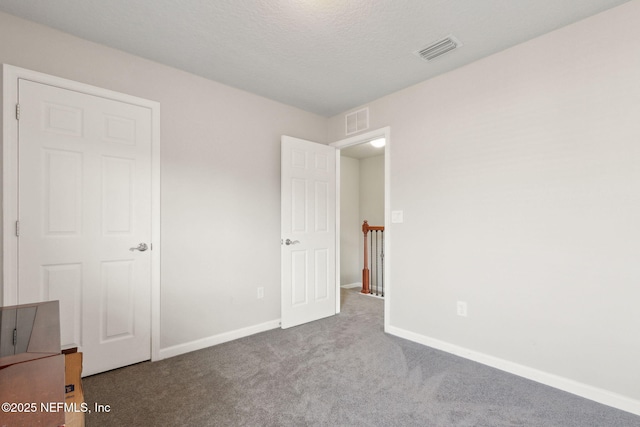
439	48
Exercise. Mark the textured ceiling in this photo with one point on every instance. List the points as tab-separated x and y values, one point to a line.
324	56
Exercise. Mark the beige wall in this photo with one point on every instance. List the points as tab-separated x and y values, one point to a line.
518	177
372	190
220	173
350	225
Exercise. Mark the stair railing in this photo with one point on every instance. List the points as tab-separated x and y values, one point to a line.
374	257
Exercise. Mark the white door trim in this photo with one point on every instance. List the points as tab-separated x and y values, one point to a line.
384	132
9	265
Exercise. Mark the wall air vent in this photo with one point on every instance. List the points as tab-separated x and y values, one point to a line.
439	48
357	121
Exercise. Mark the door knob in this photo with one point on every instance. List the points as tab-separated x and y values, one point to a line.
141	247
291	242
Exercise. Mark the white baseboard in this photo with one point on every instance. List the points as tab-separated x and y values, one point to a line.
584	390
176	350
351	285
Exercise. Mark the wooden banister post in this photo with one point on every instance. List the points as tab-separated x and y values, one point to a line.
365	270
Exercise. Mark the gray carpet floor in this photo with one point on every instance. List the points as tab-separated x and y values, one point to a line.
339	371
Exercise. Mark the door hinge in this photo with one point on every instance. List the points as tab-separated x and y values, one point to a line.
17	111
15	337
18	228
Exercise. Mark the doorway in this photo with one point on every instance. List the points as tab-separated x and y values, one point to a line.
376	207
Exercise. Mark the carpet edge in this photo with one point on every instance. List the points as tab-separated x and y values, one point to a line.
595	394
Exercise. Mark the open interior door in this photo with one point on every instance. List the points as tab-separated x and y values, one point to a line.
308	231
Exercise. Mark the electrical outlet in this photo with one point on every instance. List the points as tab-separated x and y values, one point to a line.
260	292
462	308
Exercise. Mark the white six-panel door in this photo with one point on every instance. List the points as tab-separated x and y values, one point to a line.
84	201
308	227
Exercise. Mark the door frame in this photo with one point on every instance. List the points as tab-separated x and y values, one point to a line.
9	264
363	138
